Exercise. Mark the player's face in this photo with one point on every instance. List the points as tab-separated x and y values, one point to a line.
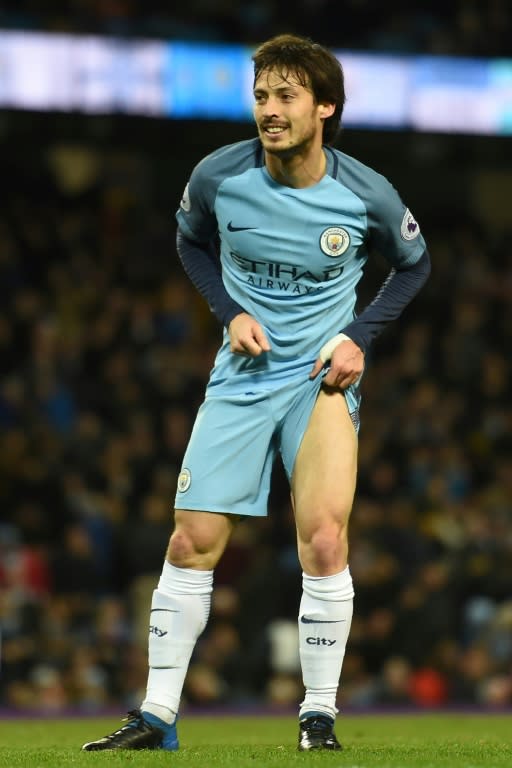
286	114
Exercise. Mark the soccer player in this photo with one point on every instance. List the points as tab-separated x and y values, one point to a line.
295	221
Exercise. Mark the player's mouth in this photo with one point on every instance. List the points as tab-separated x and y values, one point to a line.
273	130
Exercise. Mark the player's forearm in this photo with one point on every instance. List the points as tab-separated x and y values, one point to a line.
201	263
399	288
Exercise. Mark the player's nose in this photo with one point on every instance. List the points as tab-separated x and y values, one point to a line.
271	107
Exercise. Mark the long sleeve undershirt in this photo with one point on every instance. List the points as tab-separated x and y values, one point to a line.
202	265
395	293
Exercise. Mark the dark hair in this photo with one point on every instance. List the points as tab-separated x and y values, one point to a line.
314	66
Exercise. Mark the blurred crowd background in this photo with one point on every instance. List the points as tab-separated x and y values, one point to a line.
106	349
459	27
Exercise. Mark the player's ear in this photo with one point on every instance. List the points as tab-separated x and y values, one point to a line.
326	110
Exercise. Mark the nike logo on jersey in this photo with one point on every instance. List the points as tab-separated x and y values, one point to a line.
238	229
305	620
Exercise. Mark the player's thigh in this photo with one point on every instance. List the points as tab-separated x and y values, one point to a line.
228	461
324	476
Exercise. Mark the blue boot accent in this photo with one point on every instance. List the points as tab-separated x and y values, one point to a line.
170	738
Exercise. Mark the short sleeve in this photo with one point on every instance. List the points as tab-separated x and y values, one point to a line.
196	215
392	228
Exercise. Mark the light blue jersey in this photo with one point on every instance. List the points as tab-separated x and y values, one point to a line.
292	258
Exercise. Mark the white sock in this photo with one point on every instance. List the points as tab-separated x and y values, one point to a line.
179	612
325	616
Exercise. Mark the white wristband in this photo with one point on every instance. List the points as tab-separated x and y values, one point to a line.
328	348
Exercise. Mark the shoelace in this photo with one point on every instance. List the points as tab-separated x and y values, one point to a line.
132	720
133	714
318	727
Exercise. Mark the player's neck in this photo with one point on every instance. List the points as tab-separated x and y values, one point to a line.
297	171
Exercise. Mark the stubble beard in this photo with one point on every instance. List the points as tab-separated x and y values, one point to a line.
291	151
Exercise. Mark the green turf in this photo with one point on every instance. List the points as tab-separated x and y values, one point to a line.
391	741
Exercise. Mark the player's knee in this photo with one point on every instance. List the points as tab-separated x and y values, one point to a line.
180	548
327	538
184	551
325	549
190	549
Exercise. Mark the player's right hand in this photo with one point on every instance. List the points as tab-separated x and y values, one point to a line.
247	336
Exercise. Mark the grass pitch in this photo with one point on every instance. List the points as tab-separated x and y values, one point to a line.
390	741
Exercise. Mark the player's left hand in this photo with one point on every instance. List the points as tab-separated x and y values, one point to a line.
346	365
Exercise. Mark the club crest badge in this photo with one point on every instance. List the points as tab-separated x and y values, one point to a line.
410	227
185	200
184	480
334	241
